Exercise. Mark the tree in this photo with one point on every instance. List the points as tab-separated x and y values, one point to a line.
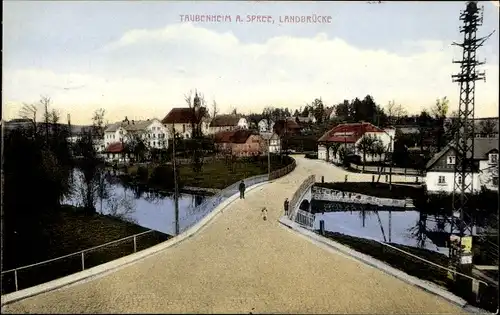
215	109
487	128
365	145
36	178
29	112
395	112
378	149
98	123
335	149
439	111
342	110
424	121
318	109
296	113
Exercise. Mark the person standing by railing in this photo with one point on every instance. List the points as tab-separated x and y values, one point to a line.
286	205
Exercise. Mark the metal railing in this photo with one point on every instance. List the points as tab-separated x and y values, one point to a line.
196	214
282	171
297	196
305	219
79	253
395	170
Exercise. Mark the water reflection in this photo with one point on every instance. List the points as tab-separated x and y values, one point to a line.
149	208
409	228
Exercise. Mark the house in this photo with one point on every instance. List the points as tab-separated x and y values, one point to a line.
227	123
286	127
115	152
265	125
240	143
151	131
348	136
181	119
441	168
310	119
273	141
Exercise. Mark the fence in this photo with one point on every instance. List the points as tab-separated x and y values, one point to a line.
305	219
395	170
196	214
283	171
297	196
78	261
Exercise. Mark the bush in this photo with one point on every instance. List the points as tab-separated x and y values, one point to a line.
163	176
142	173
312	156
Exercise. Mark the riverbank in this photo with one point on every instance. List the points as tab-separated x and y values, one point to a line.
70	231
413	266
212	177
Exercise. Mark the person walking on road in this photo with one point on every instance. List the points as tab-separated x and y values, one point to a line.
242	190
286	205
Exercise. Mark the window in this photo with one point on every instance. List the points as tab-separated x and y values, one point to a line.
441	180
451	160
459	179
183	128
494	158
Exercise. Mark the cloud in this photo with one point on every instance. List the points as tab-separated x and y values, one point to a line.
148	71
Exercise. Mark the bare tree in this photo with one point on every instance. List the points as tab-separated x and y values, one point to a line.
30	111
121	208
215	109
188	98
45	102
395	112
98	122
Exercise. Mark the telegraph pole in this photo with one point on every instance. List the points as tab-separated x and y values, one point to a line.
472	17
176	186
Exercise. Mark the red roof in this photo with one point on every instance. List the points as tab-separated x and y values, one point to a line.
235	136
183	115
115	147
348	132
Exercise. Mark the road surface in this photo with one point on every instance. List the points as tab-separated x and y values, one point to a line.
242	264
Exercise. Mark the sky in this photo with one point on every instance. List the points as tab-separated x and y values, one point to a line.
140	58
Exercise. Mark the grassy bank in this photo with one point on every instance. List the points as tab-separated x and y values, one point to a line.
218	174
70	231
414	266
381	190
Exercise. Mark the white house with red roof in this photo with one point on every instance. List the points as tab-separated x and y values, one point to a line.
349	135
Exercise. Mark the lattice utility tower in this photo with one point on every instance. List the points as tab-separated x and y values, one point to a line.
472	17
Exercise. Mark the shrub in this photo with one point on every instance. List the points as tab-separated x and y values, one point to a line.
312	156
142	173
163	176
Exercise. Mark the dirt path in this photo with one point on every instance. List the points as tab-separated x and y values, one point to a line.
240	263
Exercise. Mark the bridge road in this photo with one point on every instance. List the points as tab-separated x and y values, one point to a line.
240	263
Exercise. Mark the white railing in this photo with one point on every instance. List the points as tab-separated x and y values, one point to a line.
327	194
305	219
299	193
79	253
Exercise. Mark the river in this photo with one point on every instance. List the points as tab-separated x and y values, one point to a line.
148	209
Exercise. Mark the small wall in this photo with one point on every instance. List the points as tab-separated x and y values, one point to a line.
327	194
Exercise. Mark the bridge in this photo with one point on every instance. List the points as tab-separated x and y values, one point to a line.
240	263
